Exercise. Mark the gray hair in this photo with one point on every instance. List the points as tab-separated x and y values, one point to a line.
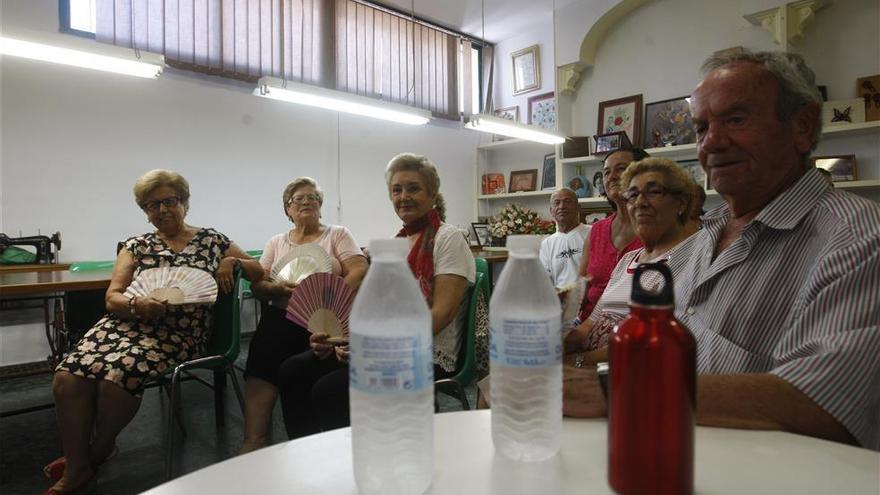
157	178
797	82
411	162
296	184
564	189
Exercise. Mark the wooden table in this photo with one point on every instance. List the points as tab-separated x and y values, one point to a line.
42	267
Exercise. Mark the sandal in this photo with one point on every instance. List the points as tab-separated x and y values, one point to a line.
55	469
88	486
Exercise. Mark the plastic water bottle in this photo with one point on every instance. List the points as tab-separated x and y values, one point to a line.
652	392
525	356
391	377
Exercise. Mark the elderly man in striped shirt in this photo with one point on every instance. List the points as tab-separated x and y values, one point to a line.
781	288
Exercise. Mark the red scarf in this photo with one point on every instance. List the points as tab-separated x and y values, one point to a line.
421	256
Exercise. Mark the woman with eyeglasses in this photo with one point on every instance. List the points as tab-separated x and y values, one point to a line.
98	387
659	197
314	390
278	338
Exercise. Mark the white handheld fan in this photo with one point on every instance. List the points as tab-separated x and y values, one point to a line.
176	285
322	303
301	262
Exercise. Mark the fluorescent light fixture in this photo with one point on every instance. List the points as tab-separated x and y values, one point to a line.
315	96
495	125
132	63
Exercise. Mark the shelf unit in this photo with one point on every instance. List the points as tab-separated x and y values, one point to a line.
504	157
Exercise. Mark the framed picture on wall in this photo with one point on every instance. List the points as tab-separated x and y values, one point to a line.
523	180
668	123
542	111
548	177
526	70
606	143
838	112
507	113
842	167
622	114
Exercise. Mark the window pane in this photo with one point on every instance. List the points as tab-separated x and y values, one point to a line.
82	15
475	80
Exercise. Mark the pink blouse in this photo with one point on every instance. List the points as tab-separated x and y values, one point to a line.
603	258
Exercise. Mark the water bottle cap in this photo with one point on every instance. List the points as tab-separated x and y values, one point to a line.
394	248
523	244
660	294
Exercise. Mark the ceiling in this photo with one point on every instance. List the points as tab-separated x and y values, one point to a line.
504	18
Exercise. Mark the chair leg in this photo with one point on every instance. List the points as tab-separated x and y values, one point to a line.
219	405
235	386
166	386
169	446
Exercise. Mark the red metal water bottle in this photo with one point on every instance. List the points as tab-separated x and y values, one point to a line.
652	393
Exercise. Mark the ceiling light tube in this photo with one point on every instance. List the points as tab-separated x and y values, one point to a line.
131	62
495	125
315	96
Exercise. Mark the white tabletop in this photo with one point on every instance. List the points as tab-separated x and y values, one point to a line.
727	461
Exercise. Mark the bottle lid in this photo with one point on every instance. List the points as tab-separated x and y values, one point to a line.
394	248
658	293
524	244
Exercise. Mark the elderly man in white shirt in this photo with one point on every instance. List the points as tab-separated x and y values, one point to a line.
561	253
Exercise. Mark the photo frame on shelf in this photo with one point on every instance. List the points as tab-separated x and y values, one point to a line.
838	112
523	180
507	113
606	143
621	114
668	123
695	170
548	174
590	216
868	88
841	167
493	183
580	185
598	185
526	70
482	236
542	111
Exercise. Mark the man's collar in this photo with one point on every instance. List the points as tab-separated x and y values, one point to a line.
785	211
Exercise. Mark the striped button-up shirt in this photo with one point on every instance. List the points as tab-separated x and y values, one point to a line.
797	295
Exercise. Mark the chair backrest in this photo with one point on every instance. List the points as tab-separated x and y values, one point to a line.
225	337
466	365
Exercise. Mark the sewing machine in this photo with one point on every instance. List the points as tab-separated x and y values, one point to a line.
42	244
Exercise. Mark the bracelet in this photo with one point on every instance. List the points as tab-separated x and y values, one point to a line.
131	307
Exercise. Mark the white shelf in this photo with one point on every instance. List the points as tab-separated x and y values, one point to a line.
514	143
690	150
522	194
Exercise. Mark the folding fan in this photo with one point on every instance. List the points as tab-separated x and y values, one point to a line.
176	285
322	303
571	297
301	262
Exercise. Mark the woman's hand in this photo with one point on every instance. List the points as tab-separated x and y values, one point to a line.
225	274
149	308
343	354
320	346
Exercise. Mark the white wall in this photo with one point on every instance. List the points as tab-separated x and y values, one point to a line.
541	34
74	141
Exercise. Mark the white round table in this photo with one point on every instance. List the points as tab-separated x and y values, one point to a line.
727	461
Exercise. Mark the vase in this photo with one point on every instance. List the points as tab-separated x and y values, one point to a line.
499	241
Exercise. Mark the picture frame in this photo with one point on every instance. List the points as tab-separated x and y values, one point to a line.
526	69
542	111
590	216
580	185
493	183
841	112
841	167
482	235
507	113
868	88
695	170
621	114
523	180
548	175
606	143
668	123
598	185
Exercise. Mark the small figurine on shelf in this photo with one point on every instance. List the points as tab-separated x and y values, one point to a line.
580	186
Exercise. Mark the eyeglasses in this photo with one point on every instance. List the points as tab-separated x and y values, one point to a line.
302	199
167	203
652	192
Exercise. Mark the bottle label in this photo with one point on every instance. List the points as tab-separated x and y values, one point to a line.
390	365
526	343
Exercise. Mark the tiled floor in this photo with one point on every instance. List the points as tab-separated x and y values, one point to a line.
29	441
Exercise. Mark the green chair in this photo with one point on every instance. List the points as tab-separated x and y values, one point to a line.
247	293
466	363
223	348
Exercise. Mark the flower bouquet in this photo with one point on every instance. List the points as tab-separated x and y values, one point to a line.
515	219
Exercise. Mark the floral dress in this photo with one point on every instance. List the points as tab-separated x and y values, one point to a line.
128	352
